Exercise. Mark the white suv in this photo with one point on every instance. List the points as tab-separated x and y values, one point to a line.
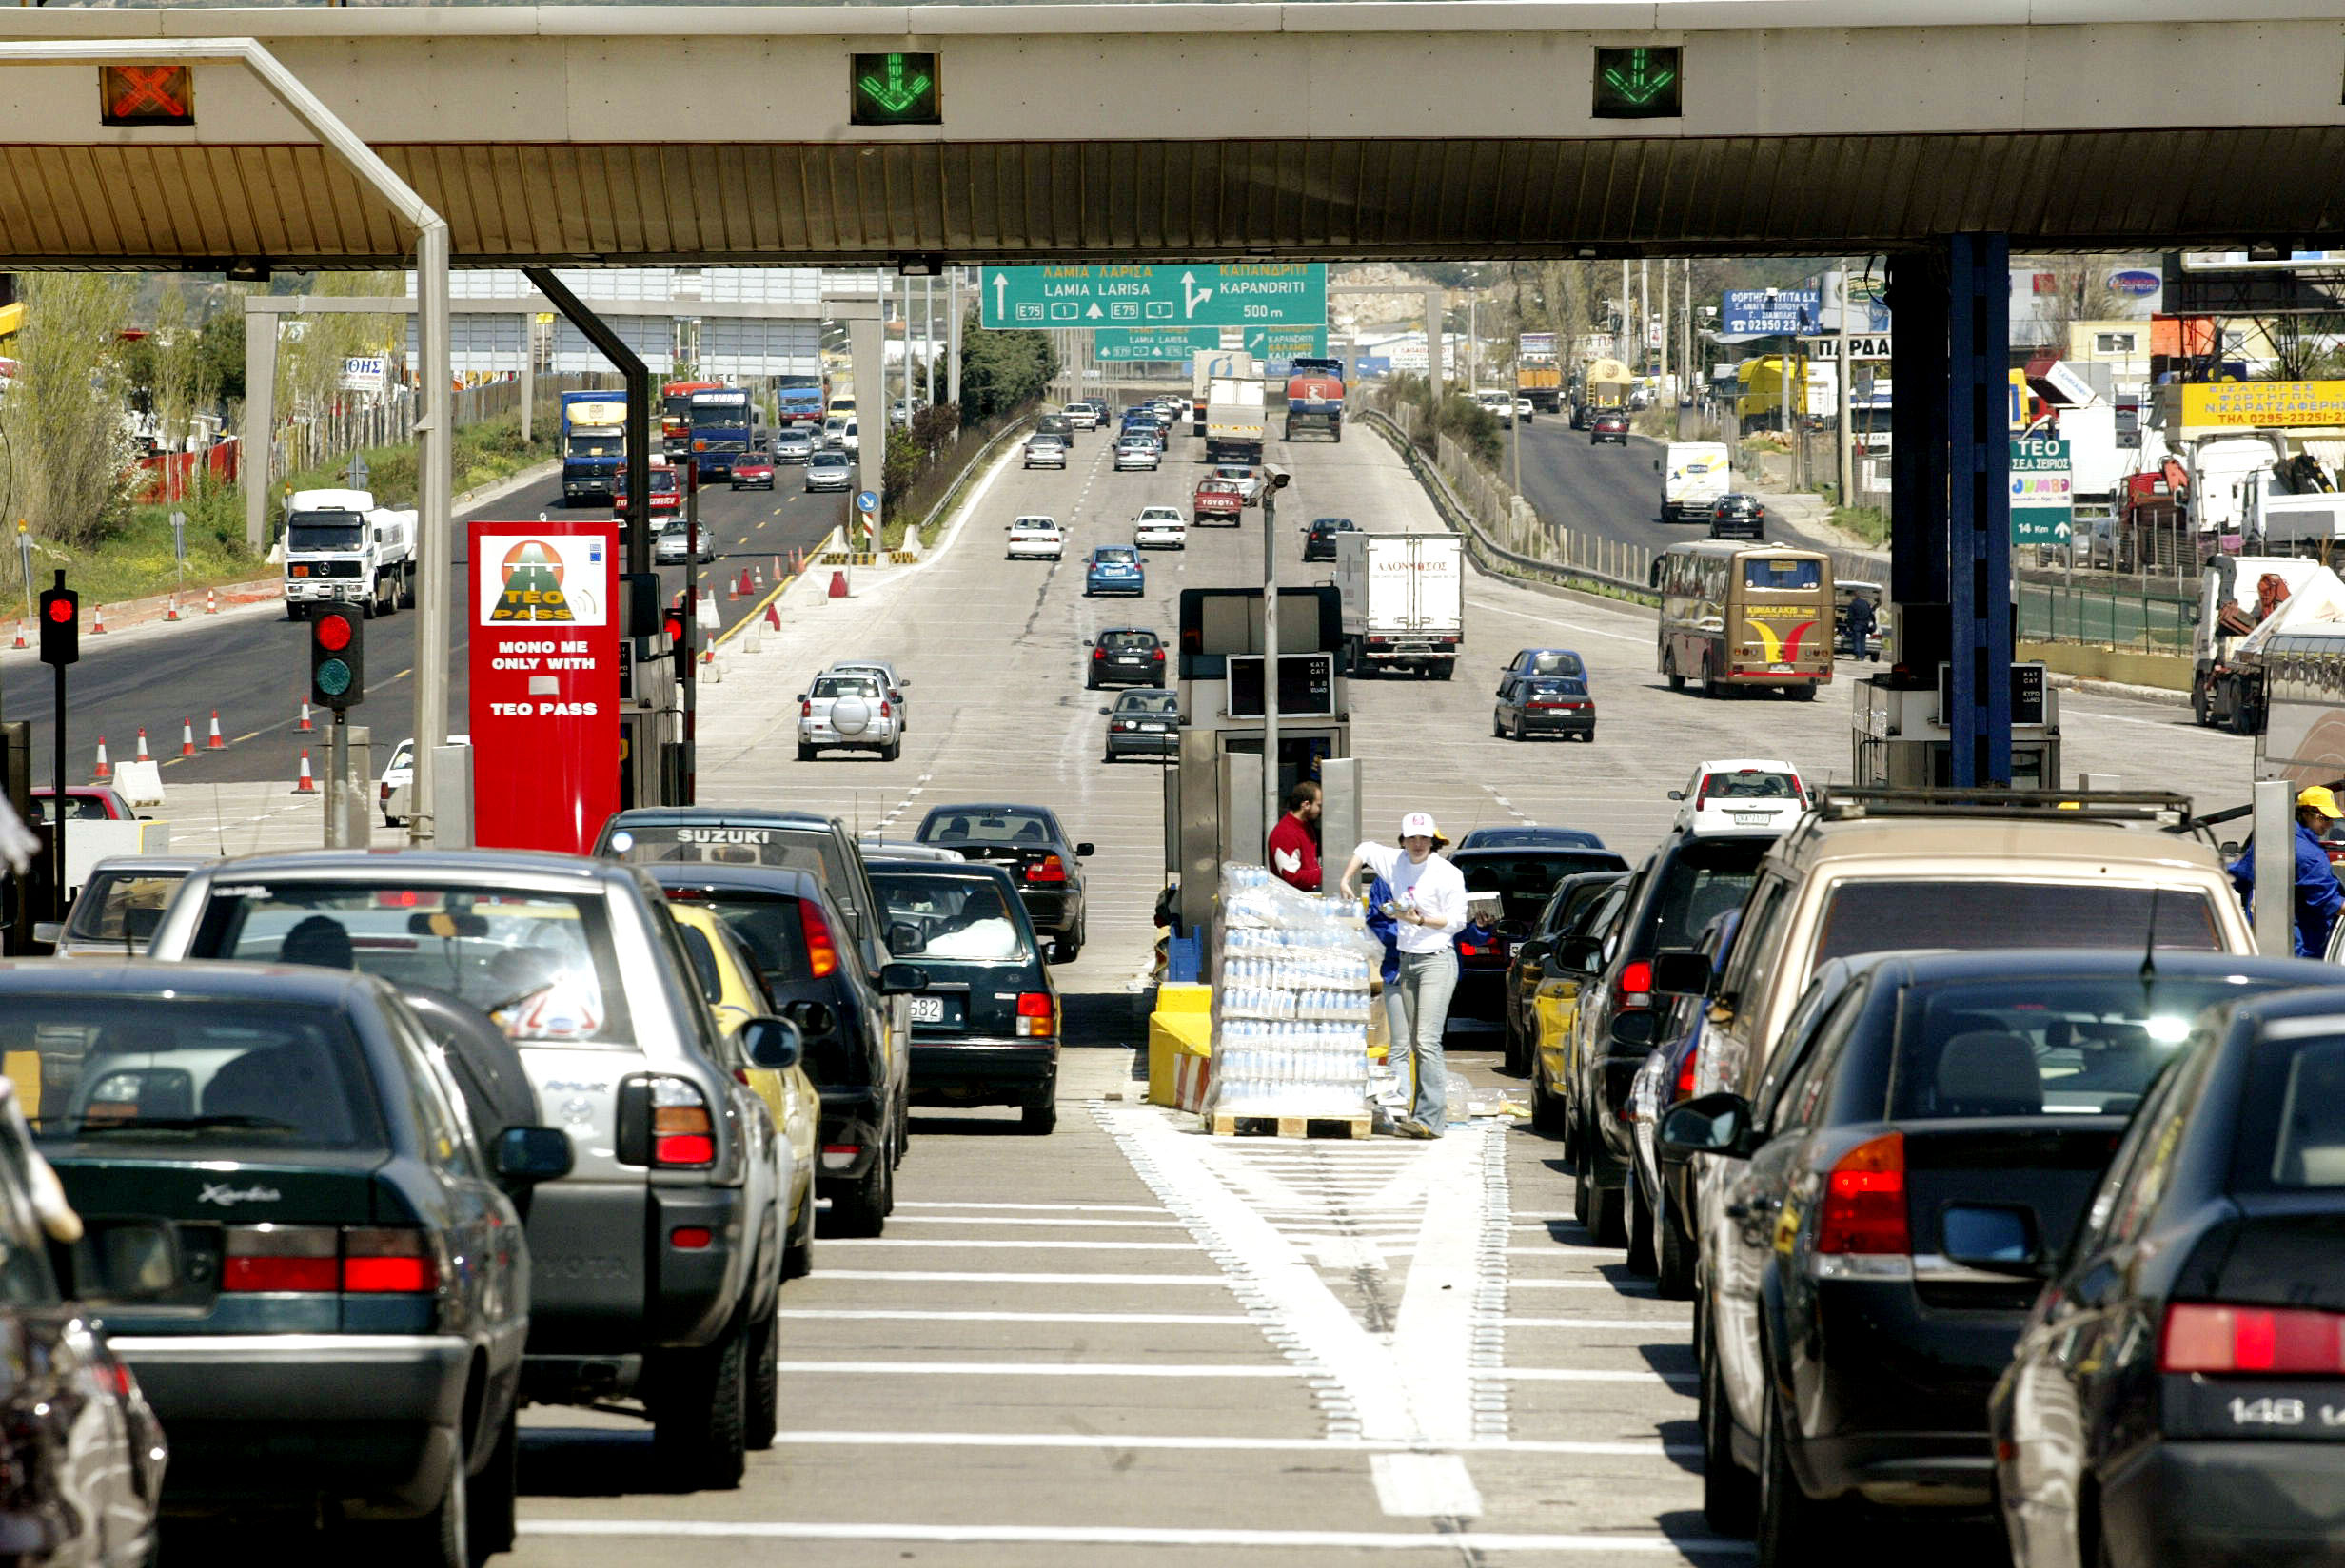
849	712
1740	795
1036	538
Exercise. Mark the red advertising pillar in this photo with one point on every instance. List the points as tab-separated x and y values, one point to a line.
545	651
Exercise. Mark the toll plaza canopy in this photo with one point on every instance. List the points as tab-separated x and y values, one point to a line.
1100	132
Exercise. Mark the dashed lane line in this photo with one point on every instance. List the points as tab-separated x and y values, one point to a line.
1046	1369
1073	1208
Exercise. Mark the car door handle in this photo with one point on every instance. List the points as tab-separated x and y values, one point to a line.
1752	1208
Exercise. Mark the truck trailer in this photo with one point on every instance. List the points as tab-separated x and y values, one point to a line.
1236	423
1404	601
1538	374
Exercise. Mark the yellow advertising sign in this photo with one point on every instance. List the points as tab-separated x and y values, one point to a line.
2262	405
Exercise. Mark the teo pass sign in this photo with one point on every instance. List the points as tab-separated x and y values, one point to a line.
1175	294
2043	492
545	657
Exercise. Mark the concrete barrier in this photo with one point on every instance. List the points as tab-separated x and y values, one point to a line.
2086	662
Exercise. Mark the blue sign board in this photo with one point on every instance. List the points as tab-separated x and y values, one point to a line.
1373	364
1767	312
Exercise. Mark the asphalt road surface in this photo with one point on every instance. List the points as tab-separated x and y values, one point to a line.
252	667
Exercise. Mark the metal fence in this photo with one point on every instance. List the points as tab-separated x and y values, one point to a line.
2105	618
335	432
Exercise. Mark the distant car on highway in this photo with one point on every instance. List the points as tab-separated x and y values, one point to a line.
1137	453
1045	451
1246	481
1524	410
1160	528
1126	655
1082	415
1026	842
753	471
986	1030
888	675
1542	705
1739	516
848	713
1545	661
1740	795
1144	724
673	545
1499	405
1319	537
1115	569
794	445
1608	427
829	470
1036	538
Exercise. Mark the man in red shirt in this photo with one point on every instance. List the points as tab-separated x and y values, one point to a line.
1294	842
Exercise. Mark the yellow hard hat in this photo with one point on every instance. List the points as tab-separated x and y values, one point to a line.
2321	798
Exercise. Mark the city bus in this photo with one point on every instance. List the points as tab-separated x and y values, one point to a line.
676	414
1740	615
722	425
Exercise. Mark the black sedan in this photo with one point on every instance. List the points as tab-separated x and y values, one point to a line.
1125	655
985	1032
1521	881
1527	835
309	1262
1319	537
2178	1394
1144	724
1543	705
1739	516
1026	842
1911	1151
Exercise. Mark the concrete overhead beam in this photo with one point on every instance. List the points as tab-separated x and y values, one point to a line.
525	304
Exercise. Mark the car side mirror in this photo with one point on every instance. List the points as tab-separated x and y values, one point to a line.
901	979
774	1044
49	932
1707	1124
904	939
1677	795
1083	851
1581	953
534	1154
1633	1029
1992	1238
1681	972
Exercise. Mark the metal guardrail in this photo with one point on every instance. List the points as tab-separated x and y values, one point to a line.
1460	519
984	453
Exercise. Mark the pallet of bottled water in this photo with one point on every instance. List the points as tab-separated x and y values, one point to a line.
1290	1010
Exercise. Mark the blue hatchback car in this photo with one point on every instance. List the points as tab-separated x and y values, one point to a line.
1115	569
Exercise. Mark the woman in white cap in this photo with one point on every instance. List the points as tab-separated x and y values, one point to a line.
1429	897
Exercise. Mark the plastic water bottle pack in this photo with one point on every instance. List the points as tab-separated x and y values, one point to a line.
1291	1001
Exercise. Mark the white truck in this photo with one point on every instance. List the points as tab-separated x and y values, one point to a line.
1694	477
1208	365
340	548
1403	598
1236	421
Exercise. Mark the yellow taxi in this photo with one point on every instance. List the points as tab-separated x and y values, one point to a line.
736	994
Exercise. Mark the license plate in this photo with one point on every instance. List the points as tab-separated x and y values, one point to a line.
1156	727
1750	819
1779	669
927	1010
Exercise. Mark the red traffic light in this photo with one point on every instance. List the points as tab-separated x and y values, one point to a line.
675	627
61	610
333	632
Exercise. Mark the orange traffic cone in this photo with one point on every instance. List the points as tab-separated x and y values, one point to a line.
105	770
304	785
172	612
773	617
142	745
304	724
20	636
97	621
838	585
211	602
215	743
760	578
186	737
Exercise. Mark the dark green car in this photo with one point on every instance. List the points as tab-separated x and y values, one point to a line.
305	1252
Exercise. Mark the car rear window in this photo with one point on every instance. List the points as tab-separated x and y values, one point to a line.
540	965
1115	553
1115	640
1555	662
1525	880
2291	1121
766	923
847	686
1148	702
2045	1044
1702	881
1749	784
1880	913
122	906
958	917
190	1073
1770	575
987	827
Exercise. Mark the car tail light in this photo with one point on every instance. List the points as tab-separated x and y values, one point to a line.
1049	869
681	1132
1541	707
1684	1088
1864	1200
805	709
2202	1337
1469	949
1037	1015
840	1156
821	949
1098	653
691	1238
1156	654
273	1257
885	712
386	1260
1636	985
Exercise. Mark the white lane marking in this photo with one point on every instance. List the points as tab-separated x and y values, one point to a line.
1042	1369
1105	1440
1008	1220
1434	1334
1671	1327
827	1314
998	1245
950	1277
1068	1208
1567	1374
1424	1486
1447	1544
1630	1288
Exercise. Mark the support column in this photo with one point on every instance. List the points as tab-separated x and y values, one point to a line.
260	438
529	374
434	533
866	367
1917	291
1979	506
953	337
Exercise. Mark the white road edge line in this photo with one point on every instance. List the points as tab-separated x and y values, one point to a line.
1079	1535
1424	1486
1051	1369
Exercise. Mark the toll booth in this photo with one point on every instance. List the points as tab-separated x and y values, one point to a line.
1902	737
1215	789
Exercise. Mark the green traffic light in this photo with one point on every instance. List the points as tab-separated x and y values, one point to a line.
332	676
894	88
1639	84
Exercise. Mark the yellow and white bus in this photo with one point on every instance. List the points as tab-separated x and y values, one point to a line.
1740	615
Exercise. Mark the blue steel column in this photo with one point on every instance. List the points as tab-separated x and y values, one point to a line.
1917	461
1979	506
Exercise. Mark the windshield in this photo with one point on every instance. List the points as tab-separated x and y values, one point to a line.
190	1073
986	825
1781	577
122	906
1148	702
1875	915
1525	881
304	538
594	446
1115	554
960	917
1120	641
2079	1047
1749	784
78	807
539	965
846	686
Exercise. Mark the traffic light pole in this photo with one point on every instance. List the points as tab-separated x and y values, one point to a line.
692	628
57	801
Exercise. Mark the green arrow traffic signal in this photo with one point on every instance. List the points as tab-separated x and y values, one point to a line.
1639	84
896	89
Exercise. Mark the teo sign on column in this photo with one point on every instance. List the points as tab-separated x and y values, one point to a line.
544	641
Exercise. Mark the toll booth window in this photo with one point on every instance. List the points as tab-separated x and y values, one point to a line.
1782	575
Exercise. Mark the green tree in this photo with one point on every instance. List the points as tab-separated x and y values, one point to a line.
1001	371
68	448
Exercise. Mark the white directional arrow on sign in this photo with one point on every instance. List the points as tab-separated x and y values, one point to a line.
1094	312
1001	291
1191	296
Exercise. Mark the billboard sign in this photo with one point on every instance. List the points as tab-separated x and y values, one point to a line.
1772	312
545	664
2262	405
2043	492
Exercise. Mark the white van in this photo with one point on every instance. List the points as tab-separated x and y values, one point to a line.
1693	476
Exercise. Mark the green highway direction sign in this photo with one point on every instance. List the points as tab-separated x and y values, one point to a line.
1178	343
1160	294
2043	492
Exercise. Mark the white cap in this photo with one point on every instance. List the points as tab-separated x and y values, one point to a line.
1419	825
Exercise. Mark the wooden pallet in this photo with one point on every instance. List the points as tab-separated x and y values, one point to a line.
1223	1125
